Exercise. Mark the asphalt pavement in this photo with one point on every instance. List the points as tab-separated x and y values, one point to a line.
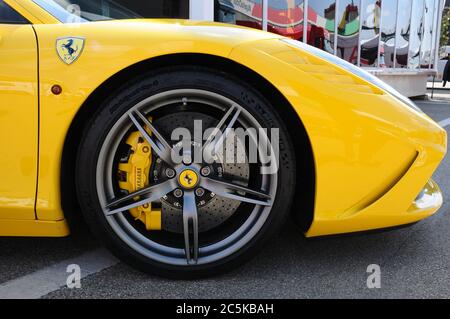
414	262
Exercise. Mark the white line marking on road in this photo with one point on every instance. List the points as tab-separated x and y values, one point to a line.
444	123
49	279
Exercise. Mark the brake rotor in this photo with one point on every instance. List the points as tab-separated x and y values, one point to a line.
213	210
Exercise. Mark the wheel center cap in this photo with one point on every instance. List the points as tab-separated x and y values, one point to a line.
188	178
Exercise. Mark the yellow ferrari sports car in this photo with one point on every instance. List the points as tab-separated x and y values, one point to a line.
186	145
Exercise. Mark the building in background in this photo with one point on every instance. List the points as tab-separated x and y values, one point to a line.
397	40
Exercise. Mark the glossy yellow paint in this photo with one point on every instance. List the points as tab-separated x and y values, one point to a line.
373	155
18	121
33	228
125	43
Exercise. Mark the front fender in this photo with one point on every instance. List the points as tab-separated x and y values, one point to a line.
110	47
373	154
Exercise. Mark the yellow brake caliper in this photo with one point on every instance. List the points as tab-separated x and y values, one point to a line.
137	174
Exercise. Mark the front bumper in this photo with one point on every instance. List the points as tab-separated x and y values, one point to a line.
427	203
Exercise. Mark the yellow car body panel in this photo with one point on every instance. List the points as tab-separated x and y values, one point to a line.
33	228
107	41
18	121
373	155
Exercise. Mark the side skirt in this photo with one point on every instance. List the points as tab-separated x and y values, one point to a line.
33	228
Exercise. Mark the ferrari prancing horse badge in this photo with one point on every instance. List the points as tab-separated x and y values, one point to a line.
69	49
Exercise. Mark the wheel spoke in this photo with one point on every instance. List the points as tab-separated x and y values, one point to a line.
190	227
230	190
213	144
145	195
159	145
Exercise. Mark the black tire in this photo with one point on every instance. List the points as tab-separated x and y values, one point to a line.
166	79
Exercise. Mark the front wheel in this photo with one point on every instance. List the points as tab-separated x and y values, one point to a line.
186	172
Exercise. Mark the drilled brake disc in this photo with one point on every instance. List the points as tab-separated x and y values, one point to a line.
213	210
